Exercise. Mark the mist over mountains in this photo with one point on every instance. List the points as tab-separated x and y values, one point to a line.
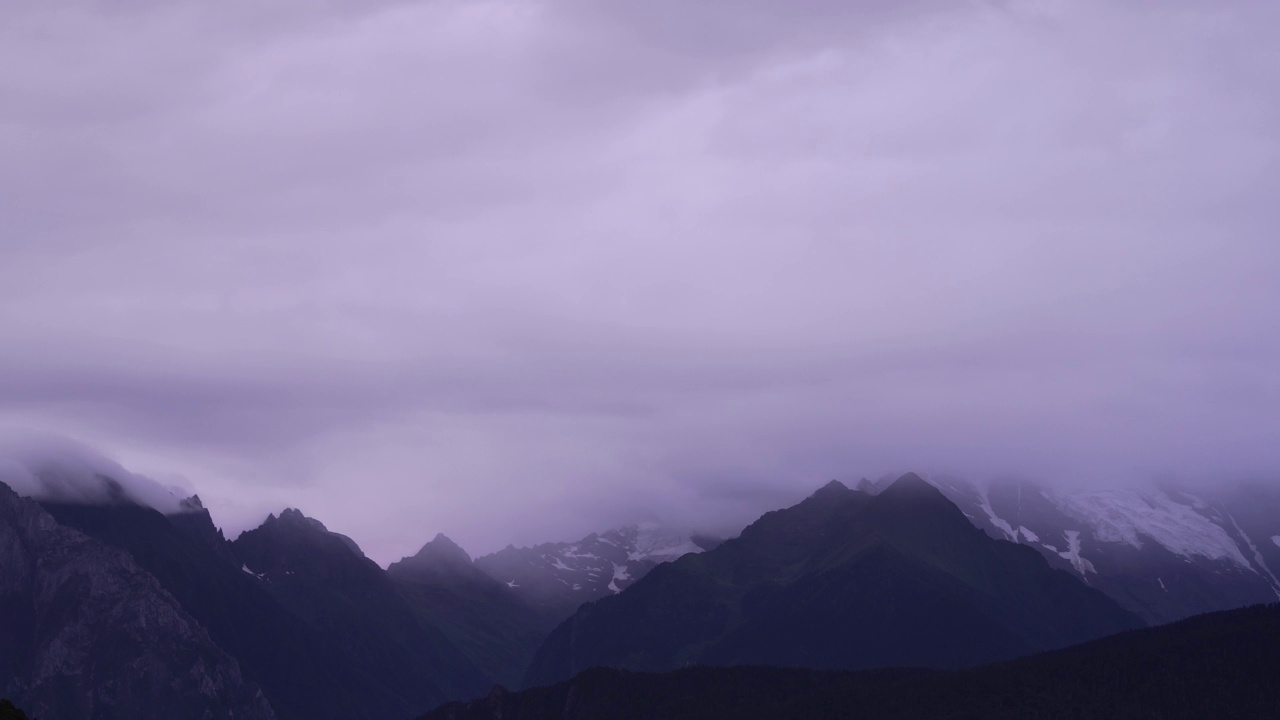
292	620
639	359
55	468
678	258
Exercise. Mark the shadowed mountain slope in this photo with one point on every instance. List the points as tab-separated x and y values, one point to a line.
305	668
85	633
325	579
1218	665
843	580
483	618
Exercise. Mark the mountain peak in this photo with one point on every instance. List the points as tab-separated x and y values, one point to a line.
833	490
912	484
293	515
292	523
440	556
823	577
294	518
444	548
919	500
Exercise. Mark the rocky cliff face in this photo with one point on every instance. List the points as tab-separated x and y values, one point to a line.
89	634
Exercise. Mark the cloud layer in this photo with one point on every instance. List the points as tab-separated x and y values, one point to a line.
513	269
59	470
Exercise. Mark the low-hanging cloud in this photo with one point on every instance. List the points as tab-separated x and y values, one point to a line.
514	270
51	468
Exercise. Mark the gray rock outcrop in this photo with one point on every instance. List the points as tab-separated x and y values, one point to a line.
88	634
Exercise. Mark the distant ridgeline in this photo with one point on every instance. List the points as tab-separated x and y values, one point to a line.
287	621
110	608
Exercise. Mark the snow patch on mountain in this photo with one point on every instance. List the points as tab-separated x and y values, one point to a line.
565	574
572	552
1257	556
1127	516
620	574
1162	550
1072	554
652	543
1003	526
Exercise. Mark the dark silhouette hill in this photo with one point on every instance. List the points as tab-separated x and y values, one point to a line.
1218	665
303	659
87	632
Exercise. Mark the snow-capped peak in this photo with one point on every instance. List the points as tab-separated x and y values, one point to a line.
571	573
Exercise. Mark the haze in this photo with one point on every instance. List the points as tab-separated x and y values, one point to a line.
516	270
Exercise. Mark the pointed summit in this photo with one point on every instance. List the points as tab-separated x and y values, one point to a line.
292	524
445	549
912	485
910	505
196	522
834	490
913	492
441	555
294	516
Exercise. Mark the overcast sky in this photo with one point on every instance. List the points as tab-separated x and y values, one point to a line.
518	270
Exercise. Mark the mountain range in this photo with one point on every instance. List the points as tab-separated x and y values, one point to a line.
84	627
843	580
112	608
315	624
1162	551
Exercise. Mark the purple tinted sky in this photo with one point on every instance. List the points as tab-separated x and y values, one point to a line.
516	270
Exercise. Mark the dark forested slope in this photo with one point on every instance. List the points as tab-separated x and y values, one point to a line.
1218	665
